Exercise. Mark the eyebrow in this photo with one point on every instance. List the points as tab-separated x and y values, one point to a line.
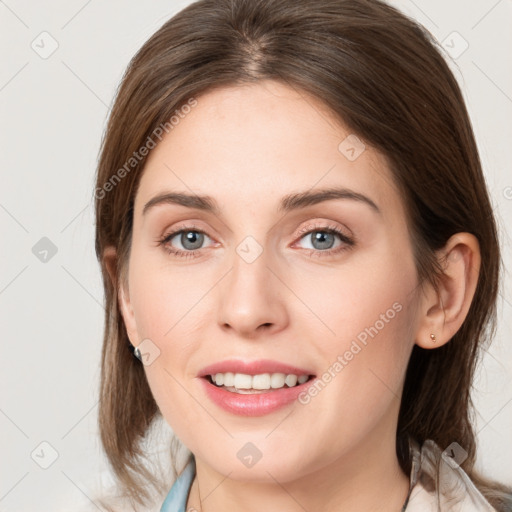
288	203
308	198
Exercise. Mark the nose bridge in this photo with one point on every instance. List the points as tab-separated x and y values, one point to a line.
250	296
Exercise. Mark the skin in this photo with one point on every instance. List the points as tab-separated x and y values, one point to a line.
247	147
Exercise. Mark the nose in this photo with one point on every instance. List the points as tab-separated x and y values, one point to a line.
252	299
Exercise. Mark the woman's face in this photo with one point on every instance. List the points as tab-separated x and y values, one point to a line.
267	273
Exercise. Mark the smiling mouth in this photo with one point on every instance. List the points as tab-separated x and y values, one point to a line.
256	384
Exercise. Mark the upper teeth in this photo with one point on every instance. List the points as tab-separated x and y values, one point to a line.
260	381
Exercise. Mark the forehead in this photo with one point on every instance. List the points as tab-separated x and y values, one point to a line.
258	142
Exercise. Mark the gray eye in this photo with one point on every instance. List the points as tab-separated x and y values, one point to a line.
191	240
323	239
320	240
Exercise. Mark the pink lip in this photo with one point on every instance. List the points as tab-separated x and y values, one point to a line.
252	368
253	404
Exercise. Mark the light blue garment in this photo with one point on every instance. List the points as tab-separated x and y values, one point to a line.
176	500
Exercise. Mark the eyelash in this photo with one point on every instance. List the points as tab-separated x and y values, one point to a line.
347	241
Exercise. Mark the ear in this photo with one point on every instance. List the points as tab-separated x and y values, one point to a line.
442	312
111	261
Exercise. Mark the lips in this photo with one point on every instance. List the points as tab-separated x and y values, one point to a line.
264	402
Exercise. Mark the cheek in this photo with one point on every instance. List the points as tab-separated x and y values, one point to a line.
370	316
172	309
366	299
163	299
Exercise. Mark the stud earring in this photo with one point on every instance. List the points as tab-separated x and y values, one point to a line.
433	338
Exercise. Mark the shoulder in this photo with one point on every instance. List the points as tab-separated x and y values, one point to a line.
439	484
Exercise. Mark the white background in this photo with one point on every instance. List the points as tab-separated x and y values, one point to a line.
53	113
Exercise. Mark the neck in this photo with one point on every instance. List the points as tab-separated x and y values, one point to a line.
368	477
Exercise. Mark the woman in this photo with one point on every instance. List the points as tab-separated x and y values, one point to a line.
298	247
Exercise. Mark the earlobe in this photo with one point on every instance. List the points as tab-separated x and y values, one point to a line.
444	309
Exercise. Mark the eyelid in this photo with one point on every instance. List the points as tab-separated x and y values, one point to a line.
184	226
325	225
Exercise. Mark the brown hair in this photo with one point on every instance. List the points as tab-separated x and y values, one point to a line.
386	79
